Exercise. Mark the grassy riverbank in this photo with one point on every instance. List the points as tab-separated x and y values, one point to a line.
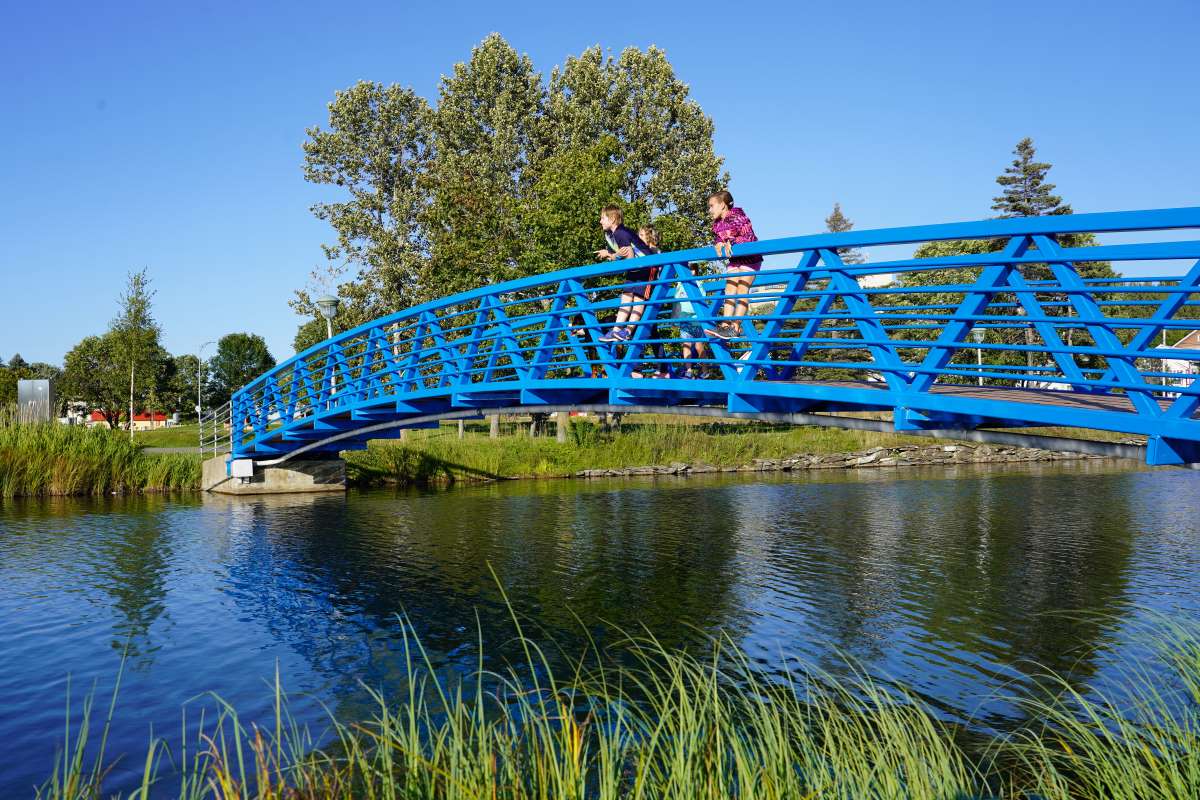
52	459
439	456
670	725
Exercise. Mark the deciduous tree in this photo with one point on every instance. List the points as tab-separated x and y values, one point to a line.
664	139
94	373
488	115
376	149
240	358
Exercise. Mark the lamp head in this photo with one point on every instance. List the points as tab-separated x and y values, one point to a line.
328	306
977	334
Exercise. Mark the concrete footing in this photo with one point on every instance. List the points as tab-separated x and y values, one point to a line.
297	476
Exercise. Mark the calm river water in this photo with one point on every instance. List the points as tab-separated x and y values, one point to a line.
952	581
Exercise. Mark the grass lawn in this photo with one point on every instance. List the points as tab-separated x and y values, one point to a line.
178	436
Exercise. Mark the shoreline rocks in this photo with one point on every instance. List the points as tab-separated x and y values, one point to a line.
876	457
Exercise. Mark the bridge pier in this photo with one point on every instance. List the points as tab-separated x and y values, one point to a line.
300	475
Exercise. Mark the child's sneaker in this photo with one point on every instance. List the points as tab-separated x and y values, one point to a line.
616	334
722	330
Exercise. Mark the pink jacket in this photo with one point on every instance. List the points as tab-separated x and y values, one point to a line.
735	228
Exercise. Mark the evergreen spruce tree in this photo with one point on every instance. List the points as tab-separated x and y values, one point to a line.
1025	190
837	222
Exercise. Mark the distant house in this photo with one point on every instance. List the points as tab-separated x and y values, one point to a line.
142	421
1181	366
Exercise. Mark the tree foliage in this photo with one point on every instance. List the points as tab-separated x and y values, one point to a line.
179	391
566	197
377	150
94	373
665	150
1025	190
505	177
240	358
485	126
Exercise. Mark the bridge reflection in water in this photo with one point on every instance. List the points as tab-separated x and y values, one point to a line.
1015	336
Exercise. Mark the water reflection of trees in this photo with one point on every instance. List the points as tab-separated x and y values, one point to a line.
954	582
950	583
117	546
329	576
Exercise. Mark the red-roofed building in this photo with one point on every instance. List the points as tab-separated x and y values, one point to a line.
142	421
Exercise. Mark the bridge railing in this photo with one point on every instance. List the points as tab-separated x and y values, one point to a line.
1024	304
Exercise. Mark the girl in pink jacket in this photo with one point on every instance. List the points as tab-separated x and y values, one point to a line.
731	226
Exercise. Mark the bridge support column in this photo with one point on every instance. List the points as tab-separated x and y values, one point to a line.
1162	451
299	475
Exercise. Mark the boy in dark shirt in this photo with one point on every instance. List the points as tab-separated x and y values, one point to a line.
624	243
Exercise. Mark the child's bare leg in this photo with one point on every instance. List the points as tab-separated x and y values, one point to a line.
624	311
729	307
742	303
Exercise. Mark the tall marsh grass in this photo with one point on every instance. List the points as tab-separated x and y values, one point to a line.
53	459
665	724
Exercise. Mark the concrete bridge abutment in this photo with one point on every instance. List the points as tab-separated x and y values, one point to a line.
296	476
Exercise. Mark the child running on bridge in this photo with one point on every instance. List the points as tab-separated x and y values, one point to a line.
624	243
731	226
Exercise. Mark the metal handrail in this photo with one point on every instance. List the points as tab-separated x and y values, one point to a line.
216	432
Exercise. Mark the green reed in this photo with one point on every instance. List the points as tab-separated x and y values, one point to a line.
53	459
660	723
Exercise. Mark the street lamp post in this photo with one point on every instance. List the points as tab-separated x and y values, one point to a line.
978	334
199	393
328	307
200	378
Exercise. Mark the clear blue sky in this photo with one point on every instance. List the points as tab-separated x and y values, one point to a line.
144	134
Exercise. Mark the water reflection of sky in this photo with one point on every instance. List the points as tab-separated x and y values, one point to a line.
955	583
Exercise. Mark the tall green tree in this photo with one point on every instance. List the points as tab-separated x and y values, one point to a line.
134	343
376	149
664	139
837	222
491	183
240	358
485	129
1025	191
179	393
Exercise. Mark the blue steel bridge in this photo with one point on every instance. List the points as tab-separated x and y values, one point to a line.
1018	336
